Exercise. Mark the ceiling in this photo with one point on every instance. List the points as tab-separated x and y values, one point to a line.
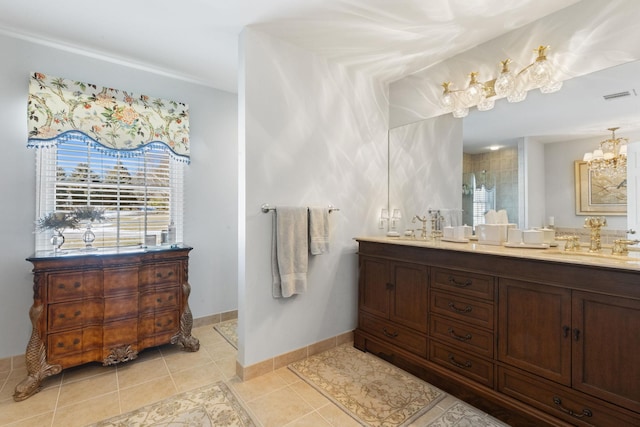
197	40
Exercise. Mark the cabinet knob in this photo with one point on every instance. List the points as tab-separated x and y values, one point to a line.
390	286
565	331
576	334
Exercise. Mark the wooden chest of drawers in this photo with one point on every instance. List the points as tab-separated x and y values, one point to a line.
105	308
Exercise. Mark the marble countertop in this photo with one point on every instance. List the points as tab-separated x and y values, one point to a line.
553	254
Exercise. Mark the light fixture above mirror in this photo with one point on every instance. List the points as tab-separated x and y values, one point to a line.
538	74
611	158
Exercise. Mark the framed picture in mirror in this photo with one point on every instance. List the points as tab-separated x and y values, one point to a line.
599	194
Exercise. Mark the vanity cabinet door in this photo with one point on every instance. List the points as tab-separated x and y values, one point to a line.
374	286
534	328
606	348
409	299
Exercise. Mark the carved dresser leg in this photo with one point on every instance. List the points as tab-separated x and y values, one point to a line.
184	337
36	360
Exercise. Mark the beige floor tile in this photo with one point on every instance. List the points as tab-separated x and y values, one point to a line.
39	403
310	395
434	412
137	372
279	407
337	417
179	361
288	375
198	376
310	420
78	391
143	394
87	412
227	367
144	355
9	384
37	421
220	350
254	388
83	372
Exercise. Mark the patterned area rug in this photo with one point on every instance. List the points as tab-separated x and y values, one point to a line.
210	406
229	330
461	414
372	391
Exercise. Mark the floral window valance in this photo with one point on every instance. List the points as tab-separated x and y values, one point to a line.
110	119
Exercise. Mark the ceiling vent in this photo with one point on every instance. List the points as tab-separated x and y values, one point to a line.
618	95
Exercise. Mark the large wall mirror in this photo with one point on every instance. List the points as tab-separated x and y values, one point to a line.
532	175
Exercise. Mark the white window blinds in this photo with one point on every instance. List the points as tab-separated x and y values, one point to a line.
140	192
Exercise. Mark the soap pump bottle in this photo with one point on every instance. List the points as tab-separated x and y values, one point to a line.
171	233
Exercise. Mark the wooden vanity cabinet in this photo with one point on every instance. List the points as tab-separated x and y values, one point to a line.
105	308
530	341
393	302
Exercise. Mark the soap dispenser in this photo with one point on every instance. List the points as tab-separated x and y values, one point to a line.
171	233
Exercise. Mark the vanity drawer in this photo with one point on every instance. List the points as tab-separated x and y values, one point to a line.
121	307
463	283
393	333
74	285
562	402
468	310
63	344
472	367
121	280
158	329
462	335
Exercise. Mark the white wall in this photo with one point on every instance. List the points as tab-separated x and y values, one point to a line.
211	184
311	134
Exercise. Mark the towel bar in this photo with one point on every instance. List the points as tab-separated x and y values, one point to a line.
266	208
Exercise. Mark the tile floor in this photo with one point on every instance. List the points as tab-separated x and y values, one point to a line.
83	395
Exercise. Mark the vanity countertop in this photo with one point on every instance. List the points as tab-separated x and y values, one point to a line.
553	254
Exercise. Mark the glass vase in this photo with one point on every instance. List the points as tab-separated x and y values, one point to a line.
88	237
57	240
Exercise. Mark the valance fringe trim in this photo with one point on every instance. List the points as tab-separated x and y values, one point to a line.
77	136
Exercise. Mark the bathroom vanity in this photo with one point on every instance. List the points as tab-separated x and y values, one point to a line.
533	337
105	306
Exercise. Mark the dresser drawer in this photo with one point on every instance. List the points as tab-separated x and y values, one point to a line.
74	285
470	366
159	323
158	274
562	402
120	280
74	314
393	333
160	300
468	310
120	333
462	335
61	344
121	307
463	283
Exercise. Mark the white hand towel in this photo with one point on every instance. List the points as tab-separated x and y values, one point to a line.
290	251
318	230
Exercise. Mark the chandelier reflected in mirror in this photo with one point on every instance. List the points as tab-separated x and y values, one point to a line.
513	86
611	158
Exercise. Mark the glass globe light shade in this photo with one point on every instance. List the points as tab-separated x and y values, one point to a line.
541	73
608	155
587	157
505	84
551	87
598	155
486	104
460	113
447	101
517	96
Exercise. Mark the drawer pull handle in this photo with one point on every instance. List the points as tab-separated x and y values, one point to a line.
170	274
454	282
585	412
565	331
60	345
76	341
61	316
77	313
159	300
61	286
454	362
158	274
459	337
453	307
390	286
390	335
76	285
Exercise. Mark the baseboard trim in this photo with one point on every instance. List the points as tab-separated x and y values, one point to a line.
252	371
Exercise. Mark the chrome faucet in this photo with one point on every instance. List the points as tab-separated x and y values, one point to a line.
595	223
423	230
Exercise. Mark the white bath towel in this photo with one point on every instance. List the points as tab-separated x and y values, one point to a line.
290	251
318	230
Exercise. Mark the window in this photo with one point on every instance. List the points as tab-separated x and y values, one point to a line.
141	192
